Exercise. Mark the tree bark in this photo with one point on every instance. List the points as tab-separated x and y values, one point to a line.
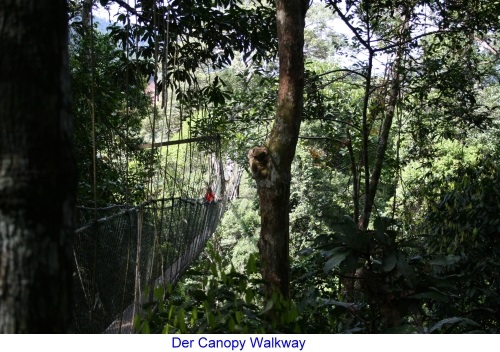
86	15
37	172
271	164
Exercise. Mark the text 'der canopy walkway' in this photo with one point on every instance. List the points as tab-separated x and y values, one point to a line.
123	253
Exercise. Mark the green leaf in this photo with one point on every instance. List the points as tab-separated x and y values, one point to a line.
433	295
337	303
389	261
166	329
231	324
171	312
405	269
336	259
181	320
249	295
381	224
251	264
145	328
359	241
213	269
194	315
269	306
239	316
454	320
158	293
292	313
137	322
350	264
211	319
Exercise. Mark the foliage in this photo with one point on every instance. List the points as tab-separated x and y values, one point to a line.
462	220
318	193
238	231
109	102
322	42
243	116
392	284
190	36
427	261
212	300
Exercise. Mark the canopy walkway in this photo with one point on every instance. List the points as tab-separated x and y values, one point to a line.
122	254
125	254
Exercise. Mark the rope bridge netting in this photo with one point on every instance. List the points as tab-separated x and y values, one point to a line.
127	253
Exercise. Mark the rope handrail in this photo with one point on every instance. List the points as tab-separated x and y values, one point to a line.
176	142
128	209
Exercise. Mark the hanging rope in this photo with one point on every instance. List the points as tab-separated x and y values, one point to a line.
92	108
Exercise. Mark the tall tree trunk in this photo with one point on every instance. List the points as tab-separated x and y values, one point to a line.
86	15
37	172
271	164
383	141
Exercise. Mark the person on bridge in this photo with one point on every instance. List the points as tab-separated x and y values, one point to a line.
209	196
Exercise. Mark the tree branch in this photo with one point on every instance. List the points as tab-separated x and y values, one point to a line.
340	121
487	46
343	17
322	138
395	45
343	70
131	10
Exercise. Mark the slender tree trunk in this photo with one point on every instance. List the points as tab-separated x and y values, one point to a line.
383	141
37	172
355	181
366	128
271	164
86	14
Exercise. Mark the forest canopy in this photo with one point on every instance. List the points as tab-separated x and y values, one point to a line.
390	207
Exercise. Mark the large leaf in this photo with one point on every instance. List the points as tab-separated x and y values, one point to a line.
405	269
381	224
338	304
345	228
251	265
454	320
350	264
337	258
434	295
359	241
390	260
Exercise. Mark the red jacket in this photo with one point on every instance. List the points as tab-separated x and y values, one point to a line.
209	197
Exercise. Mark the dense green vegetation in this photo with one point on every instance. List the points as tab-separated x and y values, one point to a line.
395	192
109	118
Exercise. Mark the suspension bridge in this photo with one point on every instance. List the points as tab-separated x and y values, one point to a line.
126	253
